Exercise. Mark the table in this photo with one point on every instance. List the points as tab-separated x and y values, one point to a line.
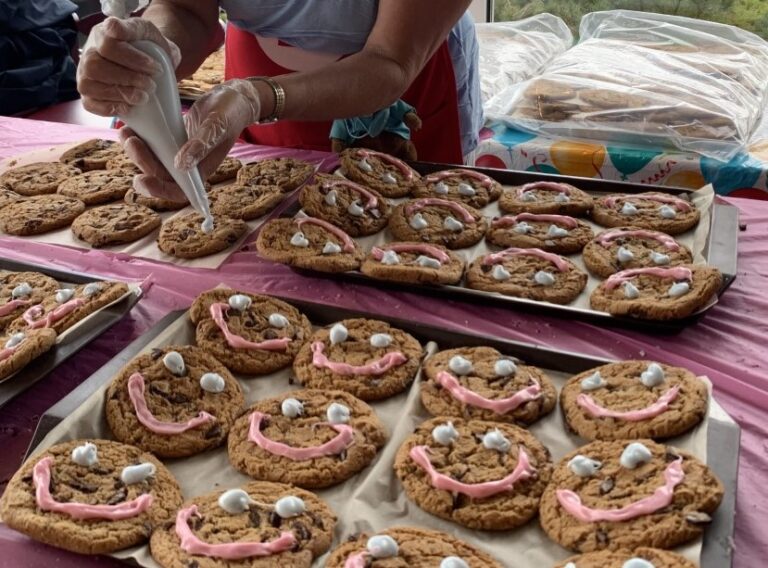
727	345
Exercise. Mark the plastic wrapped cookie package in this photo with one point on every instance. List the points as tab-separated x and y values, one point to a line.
648	79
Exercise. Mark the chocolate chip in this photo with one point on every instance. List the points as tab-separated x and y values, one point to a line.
186	233
602	538
270	334
196	523
264	423
232	239
455	500
254	517
275	520
156	353
698	518
177	398
291	380
606	486
125	226
155	389
316	520
486	268
213	432
192	564
118	497
671	456
100	470
82	486
249	324
301	531
27	478
352	538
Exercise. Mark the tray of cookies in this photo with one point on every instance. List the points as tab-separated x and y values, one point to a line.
81	195
308	435
208	75
610	252
47	315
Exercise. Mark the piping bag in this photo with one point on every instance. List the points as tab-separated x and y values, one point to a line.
158	122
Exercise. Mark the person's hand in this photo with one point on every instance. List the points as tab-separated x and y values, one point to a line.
113	75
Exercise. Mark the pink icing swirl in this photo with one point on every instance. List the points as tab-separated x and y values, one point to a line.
219	310
7	352
41	477
484	180
191	544
358	560
399	164
434	252
560	263
523	470
544	186
679	204
33	316
605	238
673	476
499	406
342	441
320	360
348	245
372	199
677	273
145	416
509	220
12	306
658	407
418	204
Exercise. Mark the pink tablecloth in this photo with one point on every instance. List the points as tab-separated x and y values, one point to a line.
727	345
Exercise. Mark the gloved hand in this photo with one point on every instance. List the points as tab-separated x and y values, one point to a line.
113	75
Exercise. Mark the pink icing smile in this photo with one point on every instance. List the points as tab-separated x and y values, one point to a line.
673	476
145	416
348	245
509	220
679	204
545	186
230	551
419	204
41	476
658	407
523	470
560	263
372	199
344	439
219	310
320	360
429	250
399	164
677	273
484	180
357	560
7	352
33	316
499	406
608	236
12	306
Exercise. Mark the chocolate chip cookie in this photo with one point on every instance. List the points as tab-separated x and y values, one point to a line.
285	173
654	211
7	195
182	236
553	233
97	187
132	197
465	186
415	263
546	197
438	221
246	202
122	162
39	178
17	350
91	154
22	290
367	358
39	214
389	176
309	438
226	170
115	224
642	557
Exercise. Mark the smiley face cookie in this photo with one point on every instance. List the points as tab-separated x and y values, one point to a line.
367	358
546	197
21	290
642	557
466	186
653	211
310	438
19	349
482	384
417	263
90	496
483	475
438	221
621	495
409	546
553	233
258	524
389	176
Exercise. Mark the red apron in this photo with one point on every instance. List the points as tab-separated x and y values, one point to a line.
433	94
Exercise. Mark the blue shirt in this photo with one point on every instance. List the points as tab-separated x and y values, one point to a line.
342	27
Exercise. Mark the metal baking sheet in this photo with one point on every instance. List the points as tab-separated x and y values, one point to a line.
722	444
721	251
97	324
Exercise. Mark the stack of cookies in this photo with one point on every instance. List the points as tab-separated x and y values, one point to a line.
208	75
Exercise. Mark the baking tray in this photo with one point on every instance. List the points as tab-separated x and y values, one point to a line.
97	324
721	251
722	442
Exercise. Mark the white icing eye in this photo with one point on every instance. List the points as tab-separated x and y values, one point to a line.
495	440
292	408
451	224
679	289
278	320
213	382
624	254
441	188
290	506
364	165
355	209
21	291
174	362
337	413
562	198
299	240
65	295
239	302
445	434
529	196
500	273
418	222
338	334
331	248
544	278
85	455
390	258
630	290
453	562
235	501
14	340
592	382
584	466
387	177
522	228
652	376
137	473
629	209
634	455
459	365
330	197
504	368
382	546
667	212
637	563
381	340
466	189
92	289
570	565
428	262
556	232
660	259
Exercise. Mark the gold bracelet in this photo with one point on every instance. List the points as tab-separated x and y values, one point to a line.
279	93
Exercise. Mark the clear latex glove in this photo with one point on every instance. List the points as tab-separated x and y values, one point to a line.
113	75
